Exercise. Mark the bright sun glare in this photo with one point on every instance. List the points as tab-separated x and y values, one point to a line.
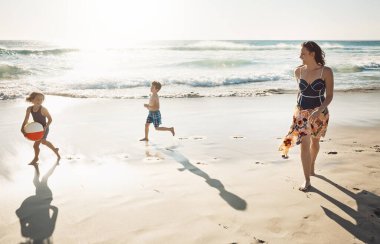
111	23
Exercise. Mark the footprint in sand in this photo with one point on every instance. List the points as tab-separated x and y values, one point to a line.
237	137
376	147
72	157
152	159
332	153
259	240
183	138
201	163
123	156
274	225
359	150
224	226
197	138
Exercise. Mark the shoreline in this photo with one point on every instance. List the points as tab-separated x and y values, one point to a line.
204	92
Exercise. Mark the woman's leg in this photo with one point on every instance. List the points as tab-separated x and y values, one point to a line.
306	161
314	149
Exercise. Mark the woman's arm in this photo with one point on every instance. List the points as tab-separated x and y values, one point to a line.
329	81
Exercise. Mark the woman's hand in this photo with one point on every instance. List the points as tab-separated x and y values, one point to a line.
314	115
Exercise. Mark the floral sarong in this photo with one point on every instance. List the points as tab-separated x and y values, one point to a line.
301	127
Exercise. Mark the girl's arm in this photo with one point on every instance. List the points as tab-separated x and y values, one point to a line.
46	113
26	119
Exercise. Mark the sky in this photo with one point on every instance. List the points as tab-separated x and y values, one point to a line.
112	20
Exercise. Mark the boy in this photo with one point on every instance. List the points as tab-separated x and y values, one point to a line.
154	115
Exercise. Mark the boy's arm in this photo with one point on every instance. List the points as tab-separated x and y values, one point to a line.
26	119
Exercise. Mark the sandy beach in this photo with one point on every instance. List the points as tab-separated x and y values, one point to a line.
219	180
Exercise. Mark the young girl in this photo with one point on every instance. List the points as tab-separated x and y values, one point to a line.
39	114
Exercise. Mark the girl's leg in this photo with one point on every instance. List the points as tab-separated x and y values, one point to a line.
36	147
50	145
306	161
314	149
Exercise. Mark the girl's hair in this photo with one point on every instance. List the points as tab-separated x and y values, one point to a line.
314	47
33	95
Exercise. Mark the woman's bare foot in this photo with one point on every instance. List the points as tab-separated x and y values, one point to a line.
144	139
305	186
57	153
34	161
172	131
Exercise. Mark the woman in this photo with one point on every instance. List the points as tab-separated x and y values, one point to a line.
311	115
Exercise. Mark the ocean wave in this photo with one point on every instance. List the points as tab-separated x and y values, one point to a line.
57	51
332	46
225	82
357	68
231	46
195	94
11	71
247	46
142	94
207	82
214	63
108	85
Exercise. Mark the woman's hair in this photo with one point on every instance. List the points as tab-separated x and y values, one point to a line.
33	95
314	47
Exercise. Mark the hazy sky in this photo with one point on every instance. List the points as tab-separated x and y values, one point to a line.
110	20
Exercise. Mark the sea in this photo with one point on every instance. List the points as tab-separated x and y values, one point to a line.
186	69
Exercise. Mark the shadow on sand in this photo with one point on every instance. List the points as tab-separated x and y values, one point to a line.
36	214
367	217
233	200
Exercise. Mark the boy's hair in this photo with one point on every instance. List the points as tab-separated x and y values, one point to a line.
157	85
33	95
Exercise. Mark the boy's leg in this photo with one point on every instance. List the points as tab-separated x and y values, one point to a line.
157	121
36	148
50	145
146	132
171	129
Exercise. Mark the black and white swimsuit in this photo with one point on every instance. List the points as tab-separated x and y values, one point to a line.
311	95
